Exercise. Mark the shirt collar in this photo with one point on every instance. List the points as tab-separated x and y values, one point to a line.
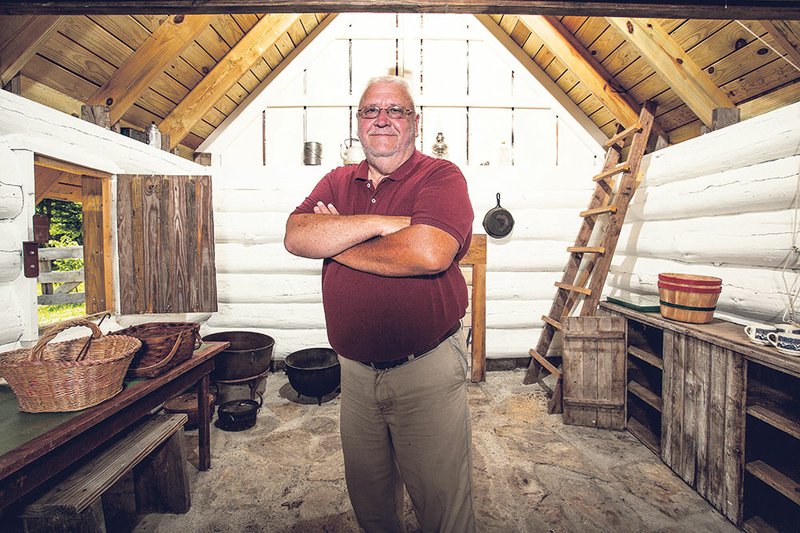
362	172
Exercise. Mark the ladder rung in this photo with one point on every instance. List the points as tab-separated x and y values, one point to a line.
586	249
599	210
553	322
574	288
636	128
613	171
545	363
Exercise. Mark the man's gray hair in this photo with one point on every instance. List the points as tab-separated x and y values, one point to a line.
397	80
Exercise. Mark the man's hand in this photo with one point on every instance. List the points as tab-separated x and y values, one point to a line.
389	224
322	209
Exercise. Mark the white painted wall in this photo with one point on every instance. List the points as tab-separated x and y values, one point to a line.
475	94
723	204
17	319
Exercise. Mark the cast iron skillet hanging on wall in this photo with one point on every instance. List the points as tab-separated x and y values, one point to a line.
498	222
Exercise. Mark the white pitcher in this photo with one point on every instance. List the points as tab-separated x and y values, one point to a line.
352	153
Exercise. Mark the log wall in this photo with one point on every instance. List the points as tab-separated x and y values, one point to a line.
723	204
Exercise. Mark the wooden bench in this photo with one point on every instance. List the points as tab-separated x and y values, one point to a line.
153	452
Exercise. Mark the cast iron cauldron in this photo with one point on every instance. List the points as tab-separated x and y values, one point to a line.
248	355
498	222
313	372
238	415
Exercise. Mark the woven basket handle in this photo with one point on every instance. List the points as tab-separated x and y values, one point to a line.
50	334
169	357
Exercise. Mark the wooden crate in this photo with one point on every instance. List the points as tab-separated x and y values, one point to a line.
594	371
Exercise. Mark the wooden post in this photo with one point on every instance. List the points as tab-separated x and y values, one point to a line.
724	116
476	257
97	252
202	158
96	114
14	85
160	479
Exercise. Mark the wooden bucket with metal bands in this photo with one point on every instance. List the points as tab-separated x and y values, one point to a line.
688	297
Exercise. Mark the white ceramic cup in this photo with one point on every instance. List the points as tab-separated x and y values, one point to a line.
787	343
788	328
757	333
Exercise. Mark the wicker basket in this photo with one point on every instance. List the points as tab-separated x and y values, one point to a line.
164	345
687	297
69	375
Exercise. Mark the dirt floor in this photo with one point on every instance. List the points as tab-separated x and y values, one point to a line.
532	473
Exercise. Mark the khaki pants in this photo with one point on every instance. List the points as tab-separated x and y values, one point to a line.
409	425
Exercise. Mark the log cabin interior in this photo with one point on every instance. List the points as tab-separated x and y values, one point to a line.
677	125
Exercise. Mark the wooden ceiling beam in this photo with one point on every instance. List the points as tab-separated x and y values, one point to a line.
225	74
715	9
588	70
17	49
133	78
673	64
787	36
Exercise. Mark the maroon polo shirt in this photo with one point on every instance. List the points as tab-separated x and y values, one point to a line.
378	318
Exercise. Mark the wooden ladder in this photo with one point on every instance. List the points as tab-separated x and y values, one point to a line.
587	282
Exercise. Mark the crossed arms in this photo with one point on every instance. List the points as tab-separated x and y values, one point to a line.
378	244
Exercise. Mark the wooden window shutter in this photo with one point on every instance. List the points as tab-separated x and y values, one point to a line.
166	244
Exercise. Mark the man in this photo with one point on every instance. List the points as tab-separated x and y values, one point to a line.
391	231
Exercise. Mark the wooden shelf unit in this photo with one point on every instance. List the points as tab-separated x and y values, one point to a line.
721	412
644	383
772	481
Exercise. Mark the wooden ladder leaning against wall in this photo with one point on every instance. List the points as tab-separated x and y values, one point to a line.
588	282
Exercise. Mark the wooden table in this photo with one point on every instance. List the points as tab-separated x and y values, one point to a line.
35	447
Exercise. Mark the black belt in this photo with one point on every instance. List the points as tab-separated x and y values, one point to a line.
384	365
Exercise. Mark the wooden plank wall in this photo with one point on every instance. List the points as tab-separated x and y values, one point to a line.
166	244
702	433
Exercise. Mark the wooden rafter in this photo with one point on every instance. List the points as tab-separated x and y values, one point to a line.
224	75
128	83
548	84
741	9
787	36
591	73
46	179
274	73
21	46
674	65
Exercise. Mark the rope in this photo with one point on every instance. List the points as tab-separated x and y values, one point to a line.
782	56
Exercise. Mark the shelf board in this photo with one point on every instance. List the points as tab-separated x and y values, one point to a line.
646	395
775	479
757	524
775	416
647	437
647	357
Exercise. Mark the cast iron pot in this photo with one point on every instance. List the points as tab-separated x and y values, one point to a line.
313	372
498	222
238	415
248	355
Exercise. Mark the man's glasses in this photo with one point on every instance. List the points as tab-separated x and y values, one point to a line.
394	111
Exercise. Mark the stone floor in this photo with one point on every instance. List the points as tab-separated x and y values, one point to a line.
532	473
